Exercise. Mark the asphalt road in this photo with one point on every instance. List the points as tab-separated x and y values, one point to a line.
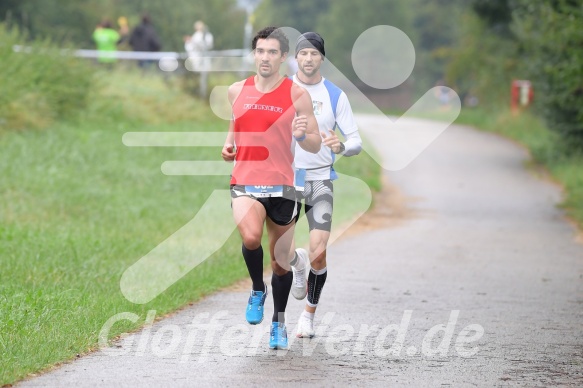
466	274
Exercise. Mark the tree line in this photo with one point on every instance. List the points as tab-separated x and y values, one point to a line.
477	46
540	41
427	22
72	21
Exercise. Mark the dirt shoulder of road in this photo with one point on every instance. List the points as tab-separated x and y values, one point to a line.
390	209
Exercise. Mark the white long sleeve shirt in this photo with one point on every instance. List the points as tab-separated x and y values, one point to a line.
319	166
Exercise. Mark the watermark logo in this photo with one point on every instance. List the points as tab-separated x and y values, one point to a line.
208	334
383	57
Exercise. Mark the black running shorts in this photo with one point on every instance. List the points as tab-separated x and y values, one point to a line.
280	209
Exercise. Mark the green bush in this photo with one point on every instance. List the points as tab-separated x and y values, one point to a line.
39	85
483	63
552	39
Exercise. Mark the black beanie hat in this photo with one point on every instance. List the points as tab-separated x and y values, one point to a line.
310	40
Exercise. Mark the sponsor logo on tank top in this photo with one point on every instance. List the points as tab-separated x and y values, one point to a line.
270	108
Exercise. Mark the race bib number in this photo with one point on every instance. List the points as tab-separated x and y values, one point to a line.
265	191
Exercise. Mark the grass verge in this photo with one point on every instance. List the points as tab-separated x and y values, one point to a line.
77	208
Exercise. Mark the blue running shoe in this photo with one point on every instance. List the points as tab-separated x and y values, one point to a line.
278	336
254	312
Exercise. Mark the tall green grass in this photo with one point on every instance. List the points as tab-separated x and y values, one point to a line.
77	208
39	85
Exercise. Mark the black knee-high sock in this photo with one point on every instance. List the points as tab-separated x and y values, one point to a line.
316	280
280	287
254	260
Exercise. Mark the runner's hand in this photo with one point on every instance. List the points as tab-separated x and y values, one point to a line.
331	141
228	153
299	126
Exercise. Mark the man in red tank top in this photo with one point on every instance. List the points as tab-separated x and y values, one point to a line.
270	114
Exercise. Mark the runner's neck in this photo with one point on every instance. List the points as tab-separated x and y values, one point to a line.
313	80
266	85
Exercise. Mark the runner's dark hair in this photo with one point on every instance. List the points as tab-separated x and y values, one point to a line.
272	33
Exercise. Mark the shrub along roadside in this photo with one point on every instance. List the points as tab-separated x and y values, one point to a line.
39	86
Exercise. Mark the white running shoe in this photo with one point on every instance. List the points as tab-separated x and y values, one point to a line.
300	284
305	327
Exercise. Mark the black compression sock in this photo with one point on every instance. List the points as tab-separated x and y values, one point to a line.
254	260
280	287
316	280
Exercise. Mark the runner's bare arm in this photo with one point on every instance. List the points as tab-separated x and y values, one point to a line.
228	153
305	123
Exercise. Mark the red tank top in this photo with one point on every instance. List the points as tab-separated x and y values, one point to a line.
263	135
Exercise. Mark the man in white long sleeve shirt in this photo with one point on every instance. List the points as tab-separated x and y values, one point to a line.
197	44
315	172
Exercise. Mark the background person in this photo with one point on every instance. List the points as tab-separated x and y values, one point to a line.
145	38
202	39
197	44
106	40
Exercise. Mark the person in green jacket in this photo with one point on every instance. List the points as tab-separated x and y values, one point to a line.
106	40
